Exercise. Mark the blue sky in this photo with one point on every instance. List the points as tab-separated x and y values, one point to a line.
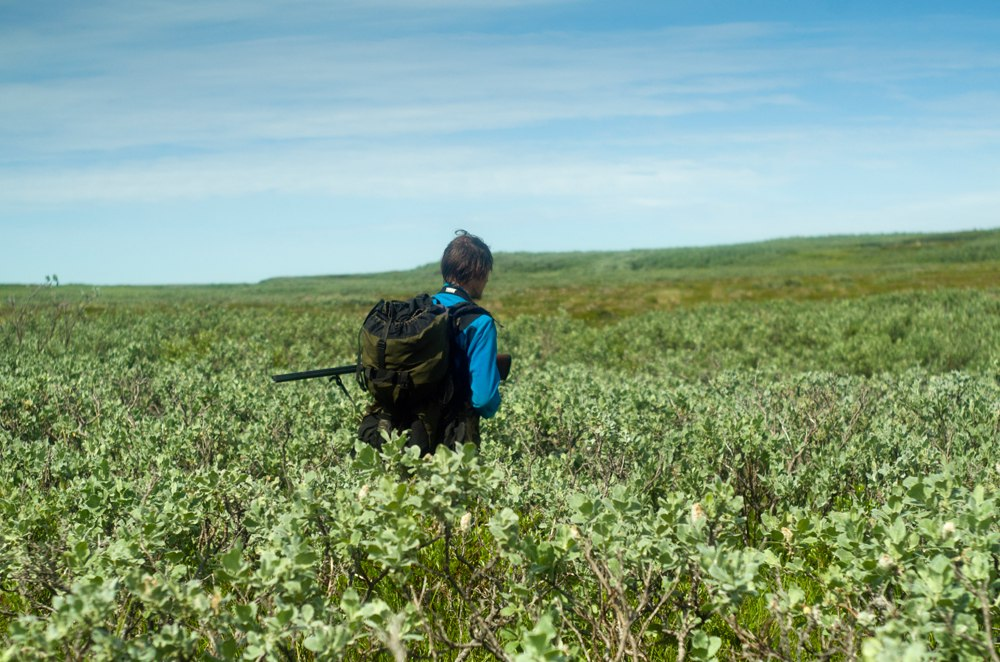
204	141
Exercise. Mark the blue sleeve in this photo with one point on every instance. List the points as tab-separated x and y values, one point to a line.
481	338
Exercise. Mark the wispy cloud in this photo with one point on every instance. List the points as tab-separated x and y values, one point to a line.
455	173
210	94
305	88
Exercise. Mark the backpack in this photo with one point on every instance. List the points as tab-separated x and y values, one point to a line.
406	361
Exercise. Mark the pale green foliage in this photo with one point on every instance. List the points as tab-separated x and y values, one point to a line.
786	481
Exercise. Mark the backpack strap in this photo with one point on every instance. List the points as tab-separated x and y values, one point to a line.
384	338
456	290
467	311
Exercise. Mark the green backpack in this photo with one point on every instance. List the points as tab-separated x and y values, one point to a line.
405	359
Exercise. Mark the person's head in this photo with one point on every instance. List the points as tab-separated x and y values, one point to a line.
467	263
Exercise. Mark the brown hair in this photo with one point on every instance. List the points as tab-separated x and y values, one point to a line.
466	258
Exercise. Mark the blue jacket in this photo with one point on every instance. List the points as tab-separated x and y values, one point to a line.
479	342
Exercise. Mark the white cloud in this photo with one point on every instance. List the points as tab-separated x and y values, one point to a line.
457	173
137	81
222	94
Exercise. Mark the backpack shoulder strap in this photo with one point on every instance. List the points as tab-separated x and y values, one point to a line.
456	290
467	311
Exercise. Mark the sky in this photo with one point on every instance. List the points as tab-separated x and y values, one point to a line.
226	141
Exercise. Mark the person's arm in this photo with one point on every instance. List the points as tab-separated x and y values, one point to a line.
484	378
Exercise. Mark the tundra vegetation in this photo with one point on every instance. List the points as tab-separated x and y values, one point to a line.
786	450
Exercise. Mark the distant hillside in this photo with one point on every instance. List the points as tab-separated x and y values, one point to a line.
608	284
814	253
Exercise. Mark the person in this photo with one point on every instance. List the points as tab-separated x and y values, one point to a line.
466	267
473	391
